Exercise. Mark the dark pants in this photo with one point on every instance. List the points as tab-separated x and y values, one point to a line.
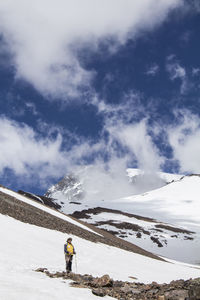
68	259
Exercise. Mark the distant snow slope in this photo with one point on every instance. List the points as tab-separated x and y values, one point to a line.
26	247
166	177
176	203
157	237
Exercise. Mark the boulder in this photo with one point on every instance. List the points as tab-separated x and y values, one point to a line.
104	281
41	270
99	292
161	297
176	295
126	289
194	292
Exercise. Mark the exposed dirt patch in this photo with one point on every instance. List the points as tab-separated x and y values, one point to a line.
174	229
123	225
84	214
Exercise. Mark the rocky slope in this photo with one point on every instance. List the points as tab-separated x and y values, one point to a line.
175	290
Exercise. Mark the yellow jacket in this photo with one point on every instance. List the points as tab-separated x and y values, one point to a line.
69	249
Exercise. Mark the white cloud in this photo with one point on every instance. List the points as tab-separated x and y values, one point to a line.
22	151
152	70
195	71
124	144
140	144
42	157
35	157
185	142
176	71
32	108
43	36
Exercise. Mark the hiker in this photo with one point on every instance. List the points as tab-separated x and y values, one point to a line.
69	252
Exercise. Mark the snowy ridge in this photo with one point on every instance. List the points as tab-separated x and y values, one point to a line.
69	193
45	208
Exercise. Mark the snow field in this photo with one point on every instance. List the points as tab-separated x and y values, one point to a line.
172	247
177	203
25	247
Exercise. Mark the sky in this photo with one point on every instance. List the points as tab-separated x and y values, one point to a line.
100	86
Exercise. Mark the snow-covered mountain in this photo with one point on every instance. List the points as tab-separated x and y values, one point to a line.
32	236
74	189
69	187
162	219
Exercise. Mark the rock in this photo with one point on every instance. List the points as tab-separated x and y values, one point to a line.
175	290
75	277
176	295
154	291
118	283
135	292
161	298
126	289
104	281
41	270
87	278
194	292
99	292
77	284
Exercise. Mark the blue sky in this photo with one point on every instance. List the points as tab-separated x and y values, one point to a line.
105	85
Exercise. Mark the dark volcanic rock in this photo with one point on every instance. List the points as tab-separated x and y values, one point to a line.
173	229
97	210
156	240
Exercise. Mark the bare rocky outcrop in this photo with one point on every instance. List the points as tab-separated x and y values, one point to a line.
42	199
102	286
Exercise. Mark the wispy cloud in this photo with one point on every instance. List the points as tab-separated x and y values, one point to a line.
152	70
45	37
25	152
32	108
53	152
184	139
195	71
177	71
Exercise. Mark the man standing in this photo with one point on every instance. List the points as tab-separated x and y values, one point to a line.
69	252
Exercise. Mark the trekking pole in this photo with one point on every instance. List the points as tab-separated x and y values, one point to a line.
76	264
